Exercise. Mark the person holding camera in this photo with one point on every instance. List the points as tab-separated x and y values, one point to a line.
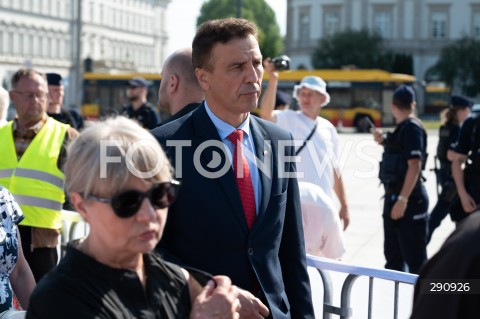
316	141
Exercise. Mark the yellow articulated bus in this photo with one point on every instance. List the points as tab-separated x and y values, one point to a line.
355	94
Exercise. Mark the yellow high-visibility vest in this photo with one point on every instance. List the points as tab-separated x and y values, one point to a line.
36	182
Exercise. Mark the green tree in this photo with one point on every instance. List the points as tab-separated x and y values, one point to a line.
257	11
402	63
361	49
459	66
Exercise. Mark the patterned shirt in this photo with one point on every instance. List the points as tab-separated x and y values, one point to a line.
11	215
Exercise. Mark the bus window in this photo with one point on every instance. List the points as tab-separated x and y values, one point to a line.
366	97
339	97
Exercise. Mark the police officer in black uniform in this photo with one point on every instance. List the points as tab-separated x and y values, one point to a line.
456	113
405	212
467	177
55	109
139	108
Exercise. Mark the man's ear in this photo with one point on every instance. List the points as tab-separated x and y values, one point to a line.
79	204
173	83
203	78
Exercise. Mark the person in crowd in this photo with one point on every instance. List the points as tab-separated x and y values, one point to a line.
244	219
456	113
405	215
179	92
318	148
4	103
465	159
33	149
321	223
114	272
318	203
271	95
282	100
56	93
447	286
139	108
15	275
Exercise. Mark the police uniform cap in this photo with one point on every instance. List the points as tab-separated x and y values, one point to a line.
404	94
138	82
460	101
54	79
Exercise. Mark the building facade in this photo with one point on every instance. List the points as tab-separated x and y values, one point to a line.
417	27
118	35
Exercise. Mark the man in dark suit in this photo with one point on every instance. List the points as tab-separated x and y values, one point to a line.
210	225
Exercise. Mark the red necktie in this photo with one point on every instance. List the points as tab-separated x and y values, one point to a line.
244	180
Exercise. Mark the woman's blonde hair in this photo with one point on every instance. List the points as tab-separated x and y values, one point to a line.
106	154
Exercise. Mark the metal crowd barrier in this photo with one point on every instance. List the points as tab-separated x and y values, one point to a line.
324	265
73	227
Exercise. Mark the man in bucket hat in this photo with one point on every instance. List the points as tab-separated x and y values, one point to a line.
317	149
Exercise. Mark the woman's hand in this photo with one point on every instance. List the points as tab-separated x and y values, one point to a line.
217	302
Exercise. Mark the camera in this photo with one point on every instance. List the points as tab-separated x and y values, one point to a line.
281	63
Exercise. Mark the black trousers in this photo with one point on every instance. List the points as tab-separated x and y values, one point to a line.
40	260
405	245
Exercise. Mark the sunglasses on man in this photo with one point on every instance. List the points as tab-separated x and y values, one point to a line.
127	203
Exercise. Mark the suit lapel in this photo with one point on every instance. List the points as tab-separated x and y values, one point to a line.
205	130
264	155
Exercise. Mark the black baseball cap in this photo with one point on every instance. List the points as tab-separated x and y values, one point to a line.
404	94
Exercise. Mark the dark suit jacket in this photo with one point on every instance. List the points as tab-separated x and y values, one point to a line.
458	261
206	226
187	109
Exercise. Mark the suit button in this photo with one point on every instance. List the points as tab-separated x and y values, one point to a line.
250	251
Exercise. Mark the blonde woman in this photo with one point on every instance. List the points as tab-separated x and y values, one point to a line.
120	182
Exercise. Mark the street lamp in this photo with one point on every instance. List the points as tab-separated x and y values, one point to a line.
239	8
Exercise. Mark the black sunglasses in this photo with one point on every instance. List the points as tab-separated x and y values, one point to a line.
126	204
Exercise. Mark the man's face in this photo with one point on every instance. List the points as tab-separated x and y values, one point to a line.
233	86
56	94
310	100
30	97
134	92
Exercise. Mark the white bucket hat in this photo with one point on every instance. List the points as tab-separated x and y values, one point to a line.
313	83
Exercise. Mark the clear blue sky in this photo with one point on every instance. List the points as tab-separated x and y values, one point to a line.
182	16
